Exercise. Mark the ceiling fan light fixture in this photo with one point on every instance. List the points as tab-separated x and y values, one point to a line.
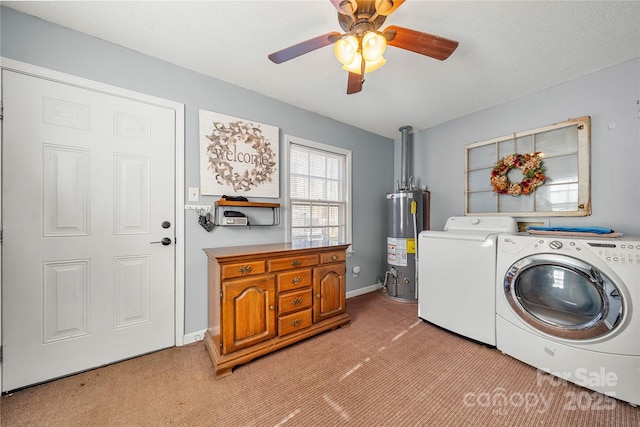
346	49
354	66
369	67
373	46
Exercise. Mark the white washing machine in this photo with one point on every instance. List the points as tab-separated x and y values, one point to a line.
571	307
456	275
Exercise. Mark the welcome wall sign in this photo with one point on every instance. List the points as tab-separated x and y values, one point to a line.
238	157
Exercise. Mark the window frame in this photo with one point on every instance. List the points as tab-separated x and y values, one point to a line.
582	155
289	140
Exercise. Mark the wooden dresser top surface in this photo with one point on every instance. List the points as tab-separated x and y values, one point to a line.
271	249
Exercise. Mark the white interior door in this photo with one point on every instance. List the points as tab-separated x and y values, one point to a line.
0	235
87	191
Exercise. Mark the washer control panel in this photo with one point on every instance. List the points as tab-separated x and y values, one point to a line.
619	253
615	253
555	244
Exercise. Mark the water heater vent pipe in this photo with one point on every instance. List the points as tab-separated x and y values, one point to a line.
404	154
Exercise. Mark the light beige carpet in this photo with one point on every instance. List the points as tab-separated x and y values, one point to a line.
388	368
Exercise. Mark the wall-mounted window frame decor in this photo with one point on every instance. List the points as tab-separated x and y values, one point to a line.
539	172
238	157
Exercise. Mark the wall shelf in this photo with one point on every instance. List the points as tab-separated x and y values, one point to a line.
222	205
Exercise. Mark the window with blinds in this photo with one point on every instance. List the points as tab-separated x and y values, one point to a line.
318	193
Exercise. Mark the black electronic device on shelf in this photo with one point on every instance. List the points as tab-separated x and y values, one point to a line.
235	198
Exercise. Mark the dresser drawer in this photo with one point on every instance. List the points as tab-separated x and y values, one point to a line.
293	301
297	279
288	263
242	269
294	322
327	257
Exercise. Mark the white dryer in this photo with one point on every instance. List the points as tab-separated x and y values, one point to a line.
456	275
571	307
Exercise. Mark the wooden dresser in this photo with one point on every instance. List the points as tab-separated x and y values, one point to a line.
265	297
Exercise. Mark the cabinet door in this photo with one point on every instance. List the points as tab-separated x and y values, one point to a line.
249	312
328	291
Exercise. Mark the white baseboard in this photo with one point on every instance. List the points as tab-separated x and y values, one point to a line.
362	291
192	337
196	336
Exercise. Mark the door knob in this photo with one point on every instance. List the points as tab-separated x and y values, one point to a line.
165	241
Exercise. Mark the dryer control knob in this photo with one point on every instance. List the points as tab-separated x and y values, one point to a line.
555	244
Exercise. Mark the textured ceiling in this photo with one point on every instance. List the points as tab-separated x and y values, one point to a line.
507	49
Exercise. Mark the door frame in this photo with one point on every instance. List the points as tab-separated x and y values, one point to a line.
179	111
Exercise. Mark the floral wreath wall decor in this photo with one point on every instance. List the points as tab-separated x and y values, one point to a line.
237	157
532	170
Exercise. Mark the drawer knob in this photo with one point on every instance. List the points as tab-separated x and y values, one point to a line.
272	307
318	295
296	280
296	262
297	301
334	257
245	269
296	322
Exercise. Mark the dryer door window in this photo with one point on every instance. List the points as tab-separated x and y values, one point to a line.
563	296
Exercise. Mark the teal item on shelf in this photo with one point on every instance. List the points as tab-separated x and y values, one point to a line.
596	230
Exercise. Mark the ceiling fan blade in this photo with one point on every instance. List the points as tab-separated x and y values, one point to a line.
354	84
304	47
422	43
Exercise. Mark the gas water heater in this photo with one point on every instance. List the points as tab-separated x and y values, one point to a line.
407	216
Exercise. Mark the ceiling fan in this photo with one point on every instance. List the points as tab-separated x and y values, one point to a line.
361	47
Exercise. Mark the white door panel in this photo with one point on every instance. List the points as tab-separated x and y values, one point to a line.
88	181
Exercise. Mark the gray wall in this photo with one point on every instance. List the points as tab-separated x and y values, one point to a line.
37	42
610	97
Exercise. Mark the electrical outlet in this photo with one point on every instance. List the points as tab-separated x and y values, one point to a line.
194	194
